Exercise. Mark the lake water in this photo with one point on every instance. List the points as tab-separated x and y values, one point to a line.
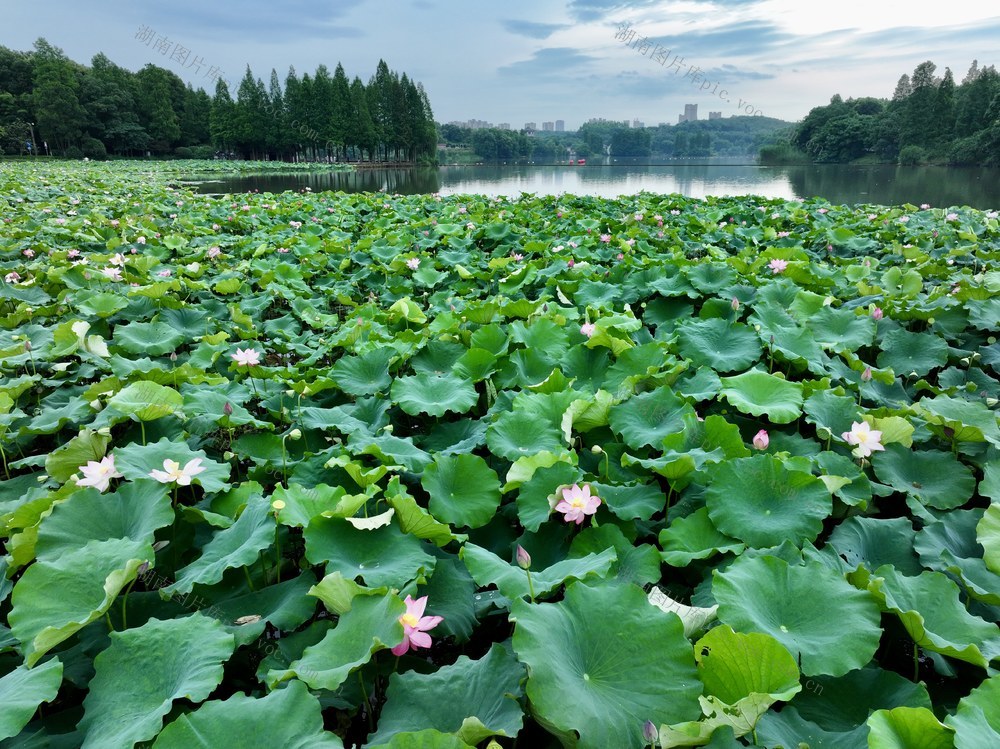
838	183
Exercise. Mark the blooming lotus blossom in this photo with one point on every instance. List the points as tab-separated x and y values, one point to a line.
606	238
777	265
761	440
141	240
12	277
99	474
114	274
588	329
73	253
247	357
213	252
951	217
675	212
29	254
173	473
924	206
295	224
518	256
577	503
413	263
783	234
117	259
416	626
865	439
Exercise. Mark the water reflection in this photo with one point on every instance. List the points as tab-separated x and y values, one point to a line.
888	185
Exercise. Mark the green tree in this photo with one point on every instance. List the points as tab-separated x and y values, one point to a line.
57	108
156	110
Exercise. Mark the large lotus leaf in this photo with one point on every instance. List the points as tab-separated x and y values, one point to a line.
290	718
795	605
789	729
23	690
969	421
930	609
372	624
65	460
874	542
694	537
533	507
908	728
463	490
844	702
137	461
907	352
135	511
977	720
522	433
302	503
384	556
285	606
835	413
841	330
990	485
429	738
149	338
87	581
414	520
487	569
143	670
639	564
950	545
988	534
759	393
935	478
644	420
719	344
434	395
630	501
760	501
145	401
366	374
615	671
472	699
239	545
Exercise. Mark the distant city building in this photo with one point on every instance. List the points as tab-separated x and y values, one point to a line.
530	126
472	124
560	126
636	124
503	126
603	121
715	115
690	114
548	126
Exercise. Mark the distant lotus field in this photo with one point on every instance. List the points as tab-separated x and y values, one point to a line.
328	470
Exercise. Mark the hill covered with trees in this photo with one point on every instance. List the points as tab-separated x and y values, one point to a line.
929	119
105	109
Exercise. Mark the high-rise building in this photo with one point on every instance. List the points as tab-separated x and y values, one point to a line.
503	126
548	126
530	126
637	124
560	126
690	112
715	115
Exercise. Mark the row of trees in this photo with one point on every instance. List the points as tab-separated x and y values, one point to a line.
929	118
76	110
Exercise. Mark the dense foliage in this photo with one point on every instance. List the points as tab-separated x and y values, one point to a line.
929	118
308	470
104	109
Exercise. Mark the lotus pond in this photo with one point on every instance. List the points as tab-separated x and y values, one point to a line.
325	470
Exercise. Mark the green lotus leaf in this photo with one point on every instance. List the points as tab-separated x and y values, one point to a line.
950	545
88	579
907	352
23	690
843	703
988	534
302	504
239	545
990	485
874	542
908	728
766	594
759	393
429	738
533	507
414	520
144	670
434	395
931	610
522	433
463	490
841	330
366	374
976	722
718	344
639	564
761	502
645	420
371	625
135	511
472	699
149	338
145	401
969	421
616	671
695	537
935	478
835	413
790	729
630	501
487	569
384	556
290	718
66	460
138	461
101	304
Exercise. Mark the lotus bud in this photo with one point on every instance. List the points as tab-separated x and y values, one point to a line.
877	314
649	732
761	440
227	409
27	345
523	557
735	304
866	376
295	434
173	356
387	429
597	449
104	431
228	455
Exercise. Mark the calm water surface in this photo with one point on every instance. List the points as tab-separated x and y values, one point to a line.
838	183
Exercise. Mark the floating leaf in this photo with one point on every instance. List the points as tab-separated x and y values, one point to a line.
759	393
23	690
463	490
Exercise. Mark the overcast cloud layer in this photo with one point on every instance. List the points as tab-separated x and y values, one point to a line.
539	60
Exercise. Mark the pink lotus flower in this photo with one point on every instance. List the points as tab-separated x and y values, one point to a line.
29	254
571	262
114	274
173	473
99	474
577	503
164	274
413	263
777	265
865	439
12	277
606	238
73	253
117	259
522	557
951	217
517	256
213	252
141	240
866	375
295	224
416	626
877	313
924	206
588	329
761	440
247	358
783	234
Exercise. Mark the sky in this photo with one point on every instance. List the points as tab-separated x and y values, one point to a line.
521	61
